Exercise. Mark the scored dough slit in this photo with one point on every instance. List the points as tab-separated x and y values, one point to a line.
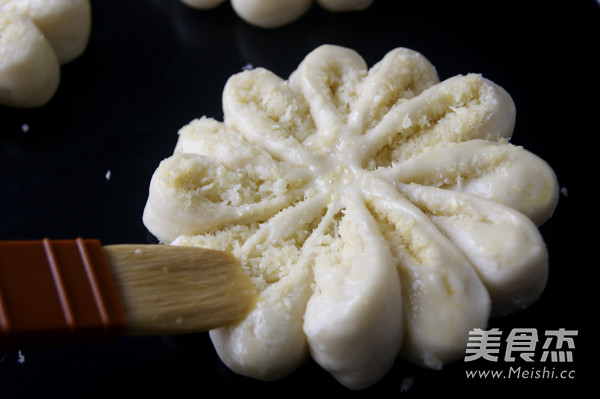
503	245
399	76
458	109
432	272
354	321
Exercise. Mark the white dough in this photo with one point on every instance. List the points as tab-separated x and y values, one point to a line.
269	13
36	37
65	23
277	13
379	211
29	69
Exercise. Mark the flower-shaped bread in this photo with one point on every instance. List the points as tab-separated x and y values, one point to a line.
276	13
36	37
379	212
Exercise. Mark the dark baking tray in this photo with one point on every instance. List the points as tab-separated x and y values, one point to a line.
152	66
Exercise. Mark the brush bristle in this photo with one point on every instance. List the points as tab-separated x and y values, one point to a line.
172	290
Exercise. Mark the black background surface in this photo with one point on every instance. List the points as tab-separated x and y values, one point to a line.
152	66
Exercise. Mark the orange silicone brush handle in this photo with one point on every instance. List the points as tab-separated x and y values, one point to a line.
56	293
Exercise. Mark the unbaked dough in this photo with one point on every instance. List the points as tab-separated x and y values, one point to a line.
276	13
379	211
36	37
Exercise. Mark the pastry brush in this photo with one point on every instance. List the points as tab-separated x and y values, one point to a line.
69	292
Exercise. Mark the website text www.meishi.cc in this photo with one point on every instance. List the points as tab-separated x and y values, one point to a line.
520	372
525	353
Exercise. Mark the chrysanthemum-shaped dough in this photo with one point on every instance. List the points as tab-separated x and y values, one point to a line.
276	13
379	211
36	37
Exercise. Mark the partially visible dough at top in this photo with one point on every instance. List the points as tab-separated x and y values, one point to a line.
276	13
